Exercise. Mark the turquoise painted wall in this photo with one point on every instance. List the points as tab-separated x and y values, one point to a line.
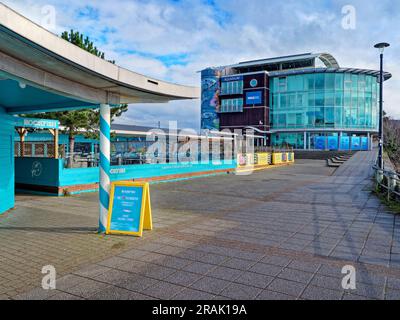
70	177
37	171
6	161
46	136
50	172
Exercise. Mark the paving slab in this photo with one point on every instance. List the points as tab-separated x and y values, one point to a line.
282	233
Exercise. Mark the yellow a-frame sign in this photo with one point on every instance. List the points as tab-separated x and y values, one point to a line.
130	209
148	219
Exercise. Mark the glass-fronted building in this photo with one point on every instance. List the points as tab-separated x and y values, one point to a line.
311	102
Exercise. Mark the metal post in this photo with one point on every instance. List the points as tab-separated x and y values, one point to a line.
380	155
305	140
54	133
56	144
104	188
21	132
369	143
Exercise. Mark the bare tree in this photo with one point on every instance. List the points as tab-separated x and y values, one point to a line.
392	140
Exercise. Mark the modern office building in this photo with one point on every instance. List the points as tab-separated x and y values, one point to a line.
304	101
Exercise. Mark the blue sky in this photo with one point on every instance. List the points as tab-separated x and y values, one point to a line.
173	39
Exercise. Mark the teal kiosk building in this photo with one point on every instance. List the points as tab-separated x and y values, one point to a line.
40	72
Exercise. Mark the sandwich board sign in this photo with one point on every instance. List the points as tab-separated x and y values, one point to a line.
129	212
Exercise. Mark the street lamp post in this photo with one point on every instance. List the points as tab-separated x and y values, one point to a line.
381	46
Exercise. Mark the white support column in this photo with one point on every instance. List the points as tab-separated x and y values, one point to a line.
305	140
104	187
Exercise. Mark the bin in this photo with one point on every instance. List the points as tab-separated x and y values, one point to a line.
264	158
276	158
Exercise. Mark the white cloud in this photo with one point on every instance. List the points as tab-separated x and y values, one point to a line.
138	33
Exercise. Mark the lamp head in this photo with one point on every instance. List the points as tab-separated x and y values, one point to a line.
381	46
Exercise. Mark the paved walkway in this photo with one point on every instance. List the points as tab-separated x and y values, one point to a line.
283	233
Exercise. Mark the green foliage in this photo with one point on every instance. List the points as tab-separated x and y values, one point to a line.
392	204
78	39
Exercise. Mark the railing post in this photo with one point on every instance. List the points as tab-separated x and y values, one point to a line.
391	184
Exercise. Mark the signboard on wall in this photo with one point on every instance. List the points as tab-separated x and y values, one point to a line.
254	98
234	78
130	209
36	123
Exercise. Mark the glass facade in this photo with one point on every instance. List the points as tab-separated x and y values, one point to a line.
321	141
343	101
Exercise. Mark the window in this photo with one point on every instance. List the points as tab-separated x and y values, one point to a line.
368	83
338	117
347	82
231	105
232	87
339	99
319	81
330	116
339	81
330	98
283	101
354	82
282	120
320	99
300	99
282	84
319	117
291	120
299	120
309	84
295	83
330	81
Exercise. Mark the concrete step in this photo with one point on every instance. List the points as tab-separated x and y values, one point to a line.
332	164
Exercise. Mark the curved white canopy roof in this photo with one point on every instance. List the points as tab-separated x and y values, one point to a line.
326	58
38	58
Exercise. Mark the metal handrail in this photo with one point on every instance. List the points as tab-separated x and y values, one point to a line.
393	181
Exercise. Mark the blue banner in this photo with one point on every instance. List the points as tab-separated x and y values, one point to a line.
126	209
364	143
333	143
355	143
254	98
320	143
344	143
